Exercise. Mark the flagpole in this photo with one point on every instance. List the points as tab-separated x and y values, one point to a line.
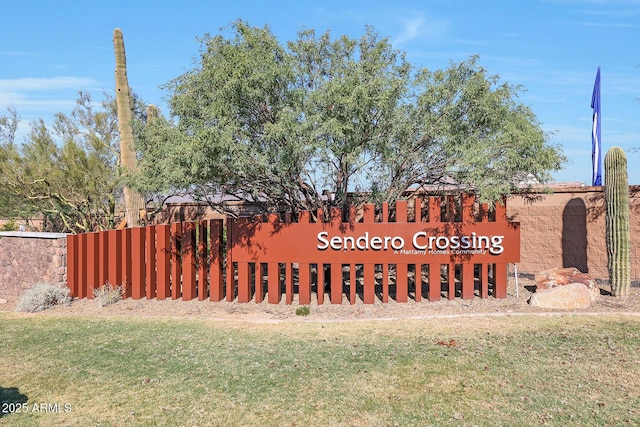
596	142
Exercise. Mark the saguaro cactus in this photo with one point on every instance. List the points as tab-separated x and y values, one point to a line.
617	218
134	202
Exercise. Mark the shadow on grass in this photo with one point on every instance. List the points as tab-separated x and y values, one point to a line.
11	400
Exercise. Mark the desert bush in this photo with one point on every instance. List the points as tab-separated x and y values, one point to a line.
9	226
303	311
43	296
108	294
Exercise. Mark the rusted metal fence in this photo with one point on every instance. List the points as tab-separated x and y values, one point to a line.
441	247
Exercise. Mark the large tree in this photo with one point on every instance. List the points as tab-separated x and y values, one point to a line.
69	175
9	204
277	125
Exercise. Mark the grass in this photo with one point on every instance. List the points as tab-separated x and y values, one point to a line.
519	370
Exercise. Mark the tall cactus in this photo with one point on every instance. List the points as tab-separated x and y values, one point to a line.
134	202
617	217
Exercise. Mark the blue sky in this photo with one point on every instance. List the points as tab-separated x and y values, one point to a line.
49	50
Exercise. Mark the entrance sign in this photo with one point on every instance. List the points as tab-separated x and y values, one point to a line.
445	247
470	245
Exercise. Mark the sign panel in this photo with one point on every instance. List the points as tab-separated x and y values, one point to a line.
375	242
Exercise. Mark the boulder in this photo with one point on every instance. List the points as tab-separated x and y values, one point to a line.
560	277
571	296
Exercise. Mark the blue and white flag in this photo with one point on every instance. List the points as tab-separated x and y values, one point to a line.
596	147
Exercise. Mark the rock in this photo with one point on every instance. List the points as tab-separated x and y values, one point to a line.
3	301
556	277
571	296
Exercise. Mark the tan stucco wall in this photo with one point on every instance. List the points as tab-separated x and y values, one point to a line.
567	229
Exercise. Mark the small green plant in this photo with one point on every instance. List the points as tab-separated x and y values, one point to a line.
303	311
108	294
43	296
9	226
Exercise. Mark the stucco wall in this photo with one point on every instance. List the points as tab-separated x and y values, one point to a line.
567	229
29	258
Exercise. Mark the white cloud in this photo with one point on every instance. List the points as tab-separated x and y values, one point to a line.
42	97
29	84
420	27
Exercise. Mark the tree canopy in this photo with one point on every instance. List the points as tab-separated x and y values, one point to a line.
313	122
279	124
69	176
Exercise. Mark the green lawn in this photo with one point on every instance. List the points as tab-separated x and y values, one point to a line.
511	371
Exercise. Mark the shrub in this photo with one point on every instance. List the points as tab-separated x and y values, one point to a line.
303	311
108	294
9	226
43	296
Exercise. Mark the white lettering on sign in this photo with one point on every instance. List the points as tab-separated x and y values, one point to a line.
421	242
362	243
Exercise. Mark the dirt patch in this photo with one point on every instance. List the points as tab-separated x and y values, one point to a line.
515	303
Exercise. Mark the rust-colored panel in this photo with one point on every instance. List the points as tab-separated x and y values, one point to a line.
484	281
176	261
93	263
304	284
451	208
259	285
115	256
273	283
467	203
385	282
203	285
188	261
434	282
352	214
368	213
367	242
273	218
82	251
138	268
369	284
401	211
320	283
127	263
434	209
151	254
418	282
385	212
500	277
72	265
244	286
336	283
335	216
483	212
417	209
216	288
352	284
231	233
500	210
467	281
163	258
451	281
402	286
114	265
103	258
289	282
